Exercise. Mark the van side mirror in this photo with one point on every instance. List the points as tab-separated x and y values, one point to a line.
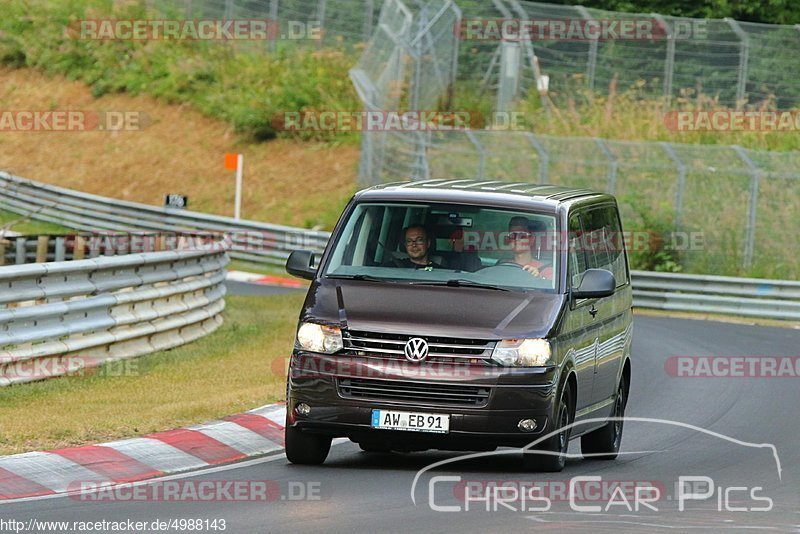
596	283
301	264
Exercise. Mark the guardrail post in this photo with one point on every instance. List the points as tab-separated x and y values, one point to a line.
681	185
481	154
22	251
3	244
591	62
41	248
744	56
544	157
669	60
612	165
751	218
60	249
79	248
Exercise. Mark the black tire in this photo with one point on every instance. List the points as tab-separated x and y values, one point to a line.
557	445
306	449
604	443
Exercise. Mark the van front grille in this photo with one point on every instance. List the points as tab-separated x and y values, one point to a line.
414	392
383	345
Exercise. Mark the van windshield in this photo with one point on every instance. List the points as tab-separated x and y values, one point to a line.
457	245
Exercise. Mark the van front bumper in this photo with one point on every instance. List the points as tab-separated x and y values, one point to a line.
514	394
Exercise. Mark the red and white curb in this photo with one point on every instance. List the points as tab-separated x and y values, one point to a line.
264	279
232	438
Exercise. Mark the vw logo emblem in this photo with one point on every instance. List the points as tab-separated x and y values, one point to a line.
416	349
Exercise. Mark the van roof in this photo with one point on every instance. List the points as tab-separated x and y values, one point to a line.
541	193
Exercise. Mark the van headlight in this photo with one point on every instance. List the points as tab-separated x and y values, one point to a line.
319	338
523	353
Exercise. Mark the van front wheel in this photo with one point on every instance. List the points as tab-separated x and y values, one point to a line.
551	455
604	443
306	449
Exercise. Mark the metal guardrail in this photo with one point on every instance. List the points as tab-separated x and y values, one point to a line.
749	297
62	317
250	241
777	299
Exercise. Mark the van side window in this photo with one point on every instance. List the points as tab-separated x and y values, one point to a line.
603	242
577	254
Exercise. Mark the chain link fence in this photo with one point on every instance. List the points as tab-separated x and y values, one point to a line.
340	22
745	203
731	62
726	210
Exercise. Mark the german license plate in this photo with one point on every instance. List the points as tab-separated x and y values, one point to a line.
411	421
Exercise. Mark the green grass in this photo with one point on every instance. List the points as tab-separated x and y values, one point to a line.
238	367
19	223
235	82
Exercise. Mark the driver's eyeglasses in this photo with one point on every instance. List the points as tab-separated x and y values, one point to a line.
417	241
518	235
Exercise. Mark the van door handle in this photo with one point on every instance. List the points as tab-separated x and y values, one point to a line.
593	311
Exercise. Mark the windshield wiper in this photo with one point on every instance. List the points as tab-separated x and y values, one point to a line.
366	277
460	282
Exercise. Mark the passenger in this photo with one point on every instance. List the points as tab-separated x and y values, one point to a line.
417	243
523	234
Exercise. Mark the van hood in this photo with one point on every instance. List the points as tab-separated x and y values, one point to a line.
432	310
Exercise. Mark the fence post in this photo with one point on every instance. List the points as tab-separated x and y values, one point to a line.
369	7
751	216
612	165
320	20
544	157
534	61
273	33
681	185
421	170
451	88
228	10
669	60
591	62
744	57
189	11
508	79
481	154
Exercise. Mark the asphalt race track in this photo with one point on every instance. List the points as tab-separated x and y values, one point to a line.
356	491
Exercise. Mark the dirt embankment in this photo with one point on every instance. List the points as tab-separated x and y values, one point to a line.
174	149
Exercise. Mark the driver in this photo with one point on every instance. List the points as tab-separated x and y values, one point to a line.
417	243
522	236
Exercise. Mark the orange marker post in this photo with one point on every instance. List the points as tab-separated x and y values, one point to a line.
235	162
